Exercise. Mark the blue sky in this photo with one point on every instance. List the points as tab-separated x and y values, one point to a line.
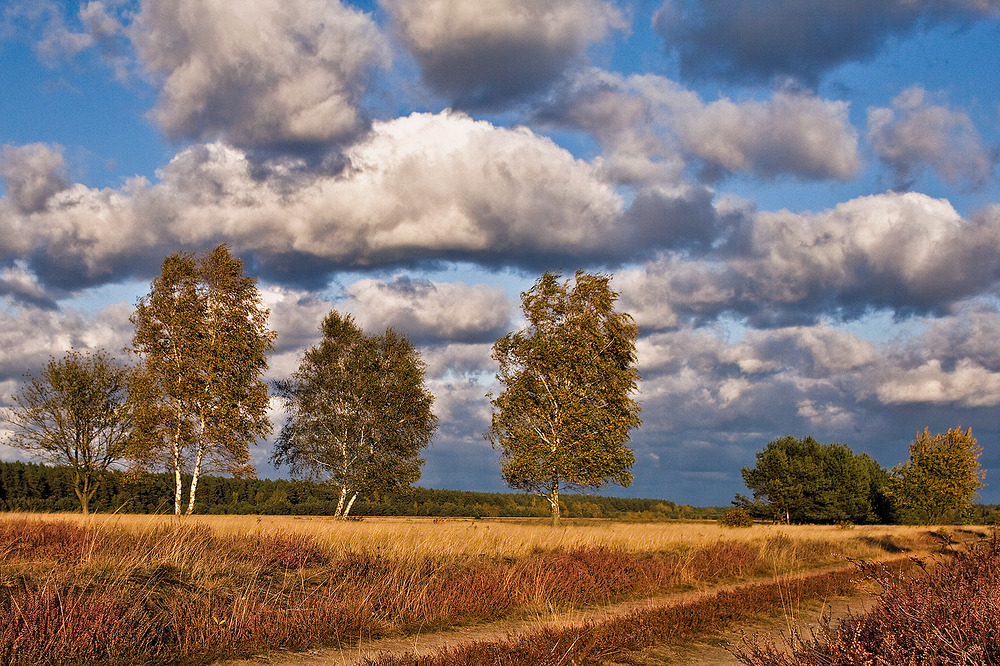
798	201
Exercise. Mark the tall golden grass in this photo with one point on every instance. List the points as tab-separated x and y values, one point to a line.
121	589
432	537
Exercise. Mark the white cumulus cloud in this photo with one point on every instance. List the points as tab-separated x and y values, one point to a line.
915	133
651	126
425	186
258	73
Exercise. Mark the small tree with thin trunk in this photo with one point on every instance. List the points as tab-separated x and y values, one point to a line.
566	413
358	412
202	335
940	480
75	413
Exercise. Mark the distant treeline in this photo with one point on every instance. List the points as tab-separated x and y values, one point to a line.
33	487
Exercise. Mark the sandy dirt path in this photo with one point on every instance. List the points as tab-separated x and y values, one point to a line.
713	649
704	652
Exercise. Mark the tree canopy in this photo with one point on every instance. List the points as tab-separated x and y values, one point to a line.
566	412
202	337
358	411
939	481
803	481
75	413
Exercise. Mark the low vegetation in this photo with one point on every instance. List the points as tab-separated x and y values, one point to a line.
947	611
145	589
622	639
737	517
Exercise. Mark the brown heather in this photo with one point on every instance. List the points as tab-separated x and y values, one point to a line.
594	643
944	611
125	590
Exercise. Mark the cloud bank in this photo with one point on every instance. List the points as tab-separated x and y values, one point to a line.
808	238
744	40
489	53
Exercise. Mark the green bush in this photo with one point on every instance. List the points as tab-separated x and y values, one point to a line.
736	518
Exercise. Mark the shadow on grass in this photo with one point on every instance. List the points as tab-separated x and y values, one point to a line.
885	543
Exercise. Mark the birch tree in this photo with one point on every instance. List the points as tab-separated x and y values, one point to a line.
75	413
566	412
358	412
202	336
940	479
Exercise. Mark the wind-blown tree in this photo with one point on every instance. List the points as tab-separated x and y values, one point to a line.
940	479
358	412
566	413
202	337
803	481
75	413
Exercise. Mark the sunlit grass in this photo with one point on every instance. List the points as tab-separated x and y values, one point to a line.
423	537
225	585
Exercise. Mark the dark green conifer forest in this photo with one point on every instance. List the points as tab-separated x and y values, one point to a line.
34	487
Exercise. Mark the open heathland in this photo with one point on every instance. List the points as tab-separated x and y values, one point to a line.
944	611
152	589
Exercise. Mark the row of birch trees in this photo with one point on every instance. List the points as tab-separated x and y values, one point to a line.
358	411
194	400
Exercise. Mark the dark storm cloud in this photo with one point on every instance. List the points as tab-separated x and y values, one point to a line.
487	54
757	40
680	221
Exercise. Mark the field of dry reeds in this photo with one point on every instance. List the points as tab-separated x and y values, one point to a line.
157	590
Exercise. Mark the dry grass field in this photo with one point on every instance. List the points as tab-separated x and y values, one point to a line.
127	589
435	537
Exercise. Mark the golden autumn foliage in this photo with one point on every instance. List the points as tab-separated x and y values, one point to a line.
202	337
939	481
566	412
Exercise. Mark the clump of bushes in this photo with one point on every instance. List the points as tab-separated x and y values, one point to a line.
738	517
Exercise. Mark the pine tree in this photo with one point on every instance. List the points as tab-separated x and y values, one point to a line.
803	481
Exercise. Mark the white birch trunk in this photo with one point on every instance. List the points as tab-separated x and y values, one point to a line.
194	478
178	481
349	505
340	504
554	501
